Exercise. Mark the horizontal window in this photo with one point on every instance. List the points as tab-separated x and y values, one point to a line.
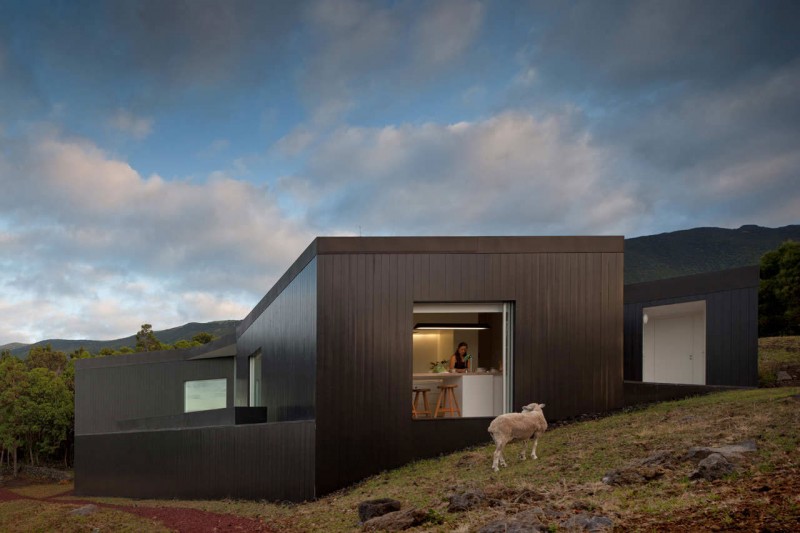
205	394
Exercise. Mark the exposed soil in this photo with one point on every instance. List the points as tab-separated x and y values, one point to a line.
177	519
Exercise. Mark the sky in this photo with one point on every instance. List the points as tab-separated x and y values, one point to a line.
165	162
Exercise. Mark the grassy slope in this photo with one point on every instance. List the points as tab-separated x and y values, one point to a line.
573	459
775	354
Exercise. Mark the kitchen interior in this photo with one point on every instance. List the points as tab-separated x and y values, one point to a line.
437	332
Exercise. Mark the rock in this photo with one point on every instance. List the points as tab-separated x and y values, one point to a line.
46	474
371	508
731	452
783	375
465	501
85	510
640	471
396	521
538	519
713	467
525	522
586	522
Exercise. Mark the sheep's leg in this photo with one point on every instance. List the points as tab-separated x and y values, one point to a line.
498	458
535	442
523	454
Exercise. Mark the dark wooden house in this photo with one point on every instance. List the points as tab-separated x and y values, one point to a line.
315	392
693	331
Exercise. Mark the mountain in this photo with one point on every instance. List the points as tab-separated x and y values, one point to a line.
698	250
169	336
666	255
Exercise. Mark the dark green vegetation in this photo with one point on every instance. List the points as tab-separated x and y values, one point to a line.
779	294
698	250
37	397
776	354
170	336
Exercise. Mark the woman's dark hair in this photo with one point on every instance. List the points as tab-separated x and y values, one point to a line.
460	344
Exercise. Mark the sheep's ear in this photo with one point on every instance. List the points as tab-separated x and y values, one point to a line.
541	406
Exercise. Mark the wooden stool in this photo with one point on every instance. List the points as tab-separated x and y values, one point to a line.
416	412
447	402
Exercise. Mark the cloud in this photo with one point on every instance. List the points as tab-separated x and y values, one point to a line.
512	173
445	31
633	46
357	47
126	122
82	230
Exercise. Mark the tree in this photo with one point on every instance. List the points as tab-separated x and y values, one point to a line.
779	293
13	381
146	340
44	412
46	357
203	337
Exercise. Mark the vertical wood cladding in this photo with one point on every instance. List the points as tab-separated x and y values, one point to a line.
731	322
259	461
286	333
118	391
567	345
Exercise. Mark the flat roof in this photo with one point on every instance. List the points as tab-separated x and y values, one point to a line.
433	245
696	284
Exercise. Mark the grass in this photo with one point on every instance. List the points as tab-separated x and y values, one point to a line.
29	515
573	459
774	354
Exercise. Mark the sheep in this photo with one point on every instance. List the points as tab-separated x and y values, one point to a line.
530	423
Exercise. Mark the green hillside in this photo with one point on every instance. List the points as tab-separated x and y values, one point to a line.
169	336
698	250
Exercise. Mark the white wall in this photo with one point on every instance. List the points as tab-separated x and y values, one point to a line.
674	343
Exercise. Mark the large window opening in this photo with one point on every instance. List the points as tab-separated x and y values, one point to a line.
256	391
674	343
205	394
477	381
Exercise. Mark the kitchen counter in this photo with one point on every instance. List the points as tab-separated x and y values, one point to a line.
477	395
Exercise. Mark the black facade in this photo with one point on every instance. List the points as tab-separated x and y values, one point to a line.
567	294
132	437
731	298
335	338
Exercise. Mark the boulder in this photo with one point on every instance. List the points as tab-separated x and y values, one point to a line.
538	519
731	452
524	522
640	471
713	467
587	522
783	375
397	520
369	509
465	501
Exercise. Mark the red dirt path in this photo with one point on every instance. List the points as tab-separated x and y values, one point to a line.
178	519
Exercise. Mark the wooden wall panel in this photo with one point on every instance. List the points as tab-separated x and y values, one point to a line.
731	324
286	333
259	461
107	394
568	345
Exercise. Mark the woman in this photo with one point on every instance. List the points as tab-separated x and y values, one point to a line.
458	360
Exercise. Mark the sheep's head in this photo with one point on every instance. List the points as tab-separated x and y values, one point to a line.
532	407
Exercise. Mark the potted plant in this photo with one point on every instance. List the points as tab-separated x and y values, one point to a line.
437	367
